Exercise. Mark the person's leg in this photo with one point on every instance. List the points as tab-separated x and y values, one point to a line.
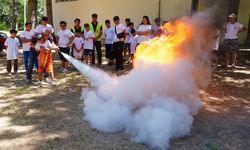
93	56
99	52
116	55
234	55
8	67
86	59
15	65
32	60
125	51
227	54
26	59
119	55
111	54
61	57
121	45
129	50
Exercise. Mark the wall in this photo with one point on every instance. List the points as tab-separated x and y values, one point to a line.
107	9
171	9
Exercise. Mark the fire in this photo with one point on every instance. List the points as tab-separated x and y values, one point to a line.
166	48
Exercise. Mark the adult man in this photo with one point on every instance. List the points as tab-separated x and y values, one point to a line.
231	43
96	27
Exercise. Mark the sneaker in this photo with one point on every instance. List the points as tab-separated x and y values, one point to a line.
38	83
65	70
47	79
28	81
233	66
9	73
15	73
53	82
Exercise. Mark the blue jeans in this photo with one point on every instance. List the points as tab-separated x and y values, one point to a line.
26	55
33	60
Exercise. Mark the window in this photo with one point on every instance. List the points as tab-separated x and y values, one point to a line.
194	6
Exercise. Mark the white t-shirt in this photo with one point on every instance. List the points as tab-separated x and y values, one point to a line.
46	44
155	29
232	29
12	49
64	37
127	29
109	36
88	43
78	41
134	42
41	28
27	35
143	28
119	29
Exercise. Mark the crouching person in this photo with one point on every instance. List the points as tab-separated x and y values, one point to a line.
44	47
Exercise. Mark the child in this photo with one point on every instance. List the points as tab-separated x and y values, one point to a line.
44	47
78	46
134	43
127	37
109	38
12	44
65	38
26	37
88	43
215	54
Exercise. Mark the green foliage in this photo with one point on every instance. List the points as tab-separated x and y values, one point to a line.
6	13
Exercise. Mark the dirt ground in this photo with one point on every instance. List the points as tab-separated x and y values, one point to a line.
44	118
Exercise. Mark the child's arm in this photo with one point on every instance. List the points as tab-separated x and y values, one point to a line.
71	40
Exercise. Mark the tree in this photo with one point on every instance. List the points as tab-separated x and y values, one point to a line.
14	24
49	11
32	11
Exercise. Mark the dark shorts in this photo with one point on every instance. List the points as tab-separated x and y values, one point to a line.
109	49
127	46
231	45
64	50
88	52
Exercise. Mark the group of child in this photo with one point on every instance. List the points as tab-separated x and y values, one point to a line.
120	43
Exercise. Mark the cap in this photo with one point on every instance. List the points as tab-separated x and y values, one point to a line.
232	15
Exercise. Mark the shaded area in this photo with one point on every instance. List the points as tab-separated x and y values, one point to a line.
52	117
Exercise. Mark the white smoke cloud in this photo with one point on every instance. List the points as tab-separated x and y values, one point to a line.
154	102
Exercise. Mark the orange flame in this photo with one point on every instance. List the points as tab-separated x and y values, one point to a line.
166	48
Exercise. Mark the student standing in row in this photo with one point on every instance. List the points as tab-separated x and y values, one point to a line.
109	40
26	37
156	29
134	43
65	38
12	44
78	46
89	37
75	29
144	30
127	37
119	35
96	27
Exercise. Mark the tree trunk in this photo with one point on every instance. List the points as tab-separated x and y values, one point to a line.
32	12
14	15
49	11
